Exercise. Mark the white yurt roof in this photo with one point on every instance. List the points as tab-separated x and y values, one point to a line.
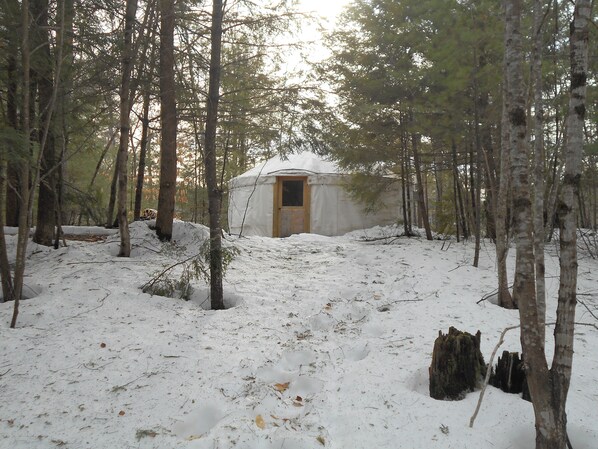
304	162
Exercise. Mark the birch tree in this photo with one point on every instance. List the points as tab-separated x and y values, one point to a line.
548	386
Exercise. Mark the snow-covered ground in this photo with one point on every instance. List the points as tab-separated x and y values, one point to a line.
328	344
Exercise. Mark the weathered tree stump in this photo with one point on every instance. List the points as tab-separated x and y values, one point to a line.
457	365
509	374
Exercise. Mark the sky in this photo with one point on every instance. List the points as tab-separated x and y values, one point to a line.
328	11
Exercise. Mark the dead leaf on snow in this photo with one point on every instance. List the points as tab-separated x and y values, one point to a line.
193	437
321	440
142	433
281	387
259	421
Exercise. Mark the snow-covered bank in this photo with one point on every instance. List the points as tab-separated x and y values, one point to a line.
328	346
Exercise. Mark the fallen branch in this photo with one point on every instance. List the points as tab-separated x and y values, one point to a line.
375	239
457	267
491	294
103	261
151	282
488	371
587	308
124	386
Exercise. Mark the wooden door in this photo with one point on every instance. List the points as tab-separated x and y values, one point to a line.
291	206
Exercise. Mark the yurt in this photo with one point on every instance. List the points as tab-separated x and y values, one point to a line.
303	193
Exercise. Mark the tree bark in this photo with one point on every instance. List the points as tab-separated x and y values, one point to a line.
405	186
142	156
477	186
113	191
168	162
5	274
457	183
65	60
539	187
214	190
420	186
502	236
524	289
12	179
121	168
42	65
565	322
23	235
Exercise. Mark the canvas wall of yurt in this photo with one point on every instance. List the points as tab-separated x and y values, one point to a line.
302	193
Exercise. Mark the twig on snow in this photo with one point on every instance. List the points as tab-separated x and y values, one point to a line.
457	267
587	308
101	301
102	261
375	239
124	386
488	371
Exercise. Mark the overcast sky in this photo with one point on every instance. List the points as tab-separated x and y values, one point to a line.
328	11
325	8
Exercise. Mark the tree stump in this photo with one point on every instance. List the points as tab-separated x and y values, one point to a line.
457	365
509	374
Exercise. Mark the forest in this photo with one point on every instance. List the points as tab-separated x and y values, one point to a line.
484	115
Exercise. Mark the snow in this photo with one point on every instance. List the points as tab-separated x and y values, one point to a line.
294	163
348	324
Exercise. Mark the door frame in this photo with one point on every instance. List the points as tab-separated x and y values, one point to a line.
276	224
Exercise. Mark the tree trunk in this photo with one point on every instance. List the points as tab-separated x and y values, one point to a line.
23	235
565	322
539	187
551	197
42	65
420	186
142	156
489	163
477	186
144	144
121	165
524	289
113	189
214	190
107	147
502	236
168	162
5	274
405	187
65	58
461	207
12	179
